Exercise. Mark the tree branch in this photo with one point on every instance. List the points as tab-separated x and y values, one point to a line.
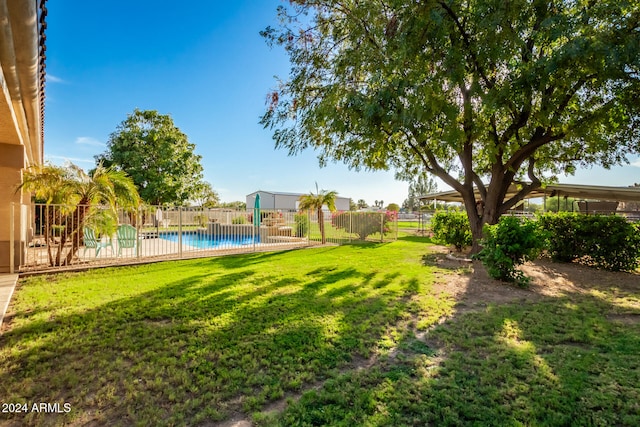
540	137
431	163
526	189
467	41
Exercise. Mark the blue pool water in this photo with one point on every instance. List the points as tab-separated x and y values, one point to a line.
207	241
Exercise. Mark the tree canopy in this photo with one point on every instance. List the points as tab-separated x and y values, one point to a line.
479	93
205	196
559	204
420	185
157	155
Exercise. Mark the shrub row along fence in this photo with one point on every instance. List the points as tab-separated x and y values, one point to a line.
67	236
603	241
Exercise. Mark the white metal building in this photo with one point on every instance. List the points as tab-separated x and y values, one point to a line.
286	201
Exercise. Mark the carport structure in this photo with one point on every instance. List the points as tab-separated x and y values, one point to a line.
594	198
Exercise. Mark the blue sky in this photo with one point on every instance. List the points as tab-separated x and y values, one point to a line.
204	63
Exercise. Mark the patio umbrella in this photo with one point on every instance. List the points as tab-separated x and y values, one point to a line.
256	211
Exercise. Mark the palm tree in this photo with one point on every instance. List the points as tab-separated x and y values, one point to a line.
317	201
84	198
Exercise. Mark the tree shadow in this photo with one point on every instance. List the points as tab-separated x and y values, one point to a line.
563	359
201	347
416	239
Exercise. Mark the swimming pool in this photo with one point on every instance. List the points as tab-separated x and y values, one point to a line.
209	241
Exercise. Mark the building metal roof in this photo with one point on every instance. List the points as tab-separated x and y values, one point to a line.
577	191
281	193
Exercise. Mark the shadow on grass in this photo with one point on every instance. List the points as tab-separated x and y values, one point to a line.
561	361
567	360
243	260
199	348
417	239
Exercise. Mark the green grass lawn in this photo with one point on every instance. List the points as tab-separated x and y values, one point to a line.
201	341
409	224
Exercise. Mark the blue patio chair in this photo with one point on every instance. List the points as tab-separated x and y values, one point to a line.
127	238
91	242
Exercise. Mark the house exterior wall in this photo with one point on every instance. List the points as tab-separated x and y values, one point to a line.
12	158
21	108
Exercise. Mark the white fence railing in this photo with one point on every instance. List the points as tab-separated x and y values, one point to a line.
71	236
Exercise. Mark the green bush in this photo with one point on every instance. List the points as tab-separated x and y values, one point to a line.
363	223
239	220
567	241
202	220
451	228
509	243
302	224
608	242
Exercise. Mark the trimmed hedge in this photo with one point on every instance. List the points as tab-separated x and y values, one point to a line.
363	223
451	228
607	242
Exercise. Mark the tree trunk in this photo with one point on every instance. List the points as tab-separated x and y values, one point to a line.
484	212
48	233
321	224
75	231
476	223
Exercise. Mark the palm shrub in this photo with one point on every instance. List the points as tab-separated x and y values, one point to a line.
451	228
509	243
82	198
315	202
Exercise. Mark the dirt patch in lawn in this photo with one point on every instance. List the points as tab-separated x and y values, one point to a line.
472	288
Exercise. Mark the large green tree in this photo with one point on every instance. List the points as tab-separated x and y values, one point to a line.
205	196
559	204
157	155
420	185
483	93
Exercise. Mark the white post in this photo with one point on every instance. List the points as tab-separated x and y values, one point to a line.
138	230
395	216
180	232
309	227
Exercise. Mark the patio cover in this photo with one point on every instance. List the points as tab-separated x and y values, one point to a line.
577	191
